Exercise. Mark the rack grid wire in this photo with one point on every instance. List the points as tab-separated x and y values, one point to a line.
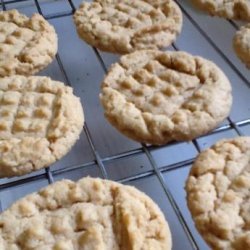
109	154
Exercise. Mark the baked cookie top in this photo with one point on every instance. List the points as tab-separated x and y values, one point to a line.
124	26
88	214
40	119
241	44
27	45
231	9
156	97
218	194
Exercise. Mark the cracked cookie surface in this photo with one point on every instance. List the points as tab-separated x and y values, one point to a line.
88	214
231	9
218	194
156	97
241	43
27	45
125	26
40	120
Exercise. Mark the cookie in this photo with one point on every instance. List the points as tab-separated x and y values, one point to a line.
156	97
88	214
40	120
231	9
27	45
218	189
241	44
129	25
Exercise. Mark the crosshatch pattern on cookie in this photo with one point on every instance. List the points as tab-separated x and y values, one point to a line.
156	97
128	25
40	120
88	214
25	114
26	45
218	194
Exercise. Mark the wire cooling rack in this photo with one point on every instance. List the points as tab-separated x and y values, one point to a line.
102	151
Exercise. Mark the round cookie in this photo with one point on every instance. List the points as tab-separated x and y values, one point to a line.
156	97
40	120
88	214
218	194
27	45
241	44
231	9
129	25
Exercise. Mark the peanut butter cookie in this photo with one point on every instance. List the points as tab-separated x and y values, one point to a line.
241	44
231	9
218	194
124	26
88	214
157	97
40	120
27	45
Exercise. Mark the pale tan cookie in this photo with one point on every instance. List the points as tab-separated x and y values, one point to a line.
241	44
40	120
124	26
88	214
157	97
231	9
218	190
27	45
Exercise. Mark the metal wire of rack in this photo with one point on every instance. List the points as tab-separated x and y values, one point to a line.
101	161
